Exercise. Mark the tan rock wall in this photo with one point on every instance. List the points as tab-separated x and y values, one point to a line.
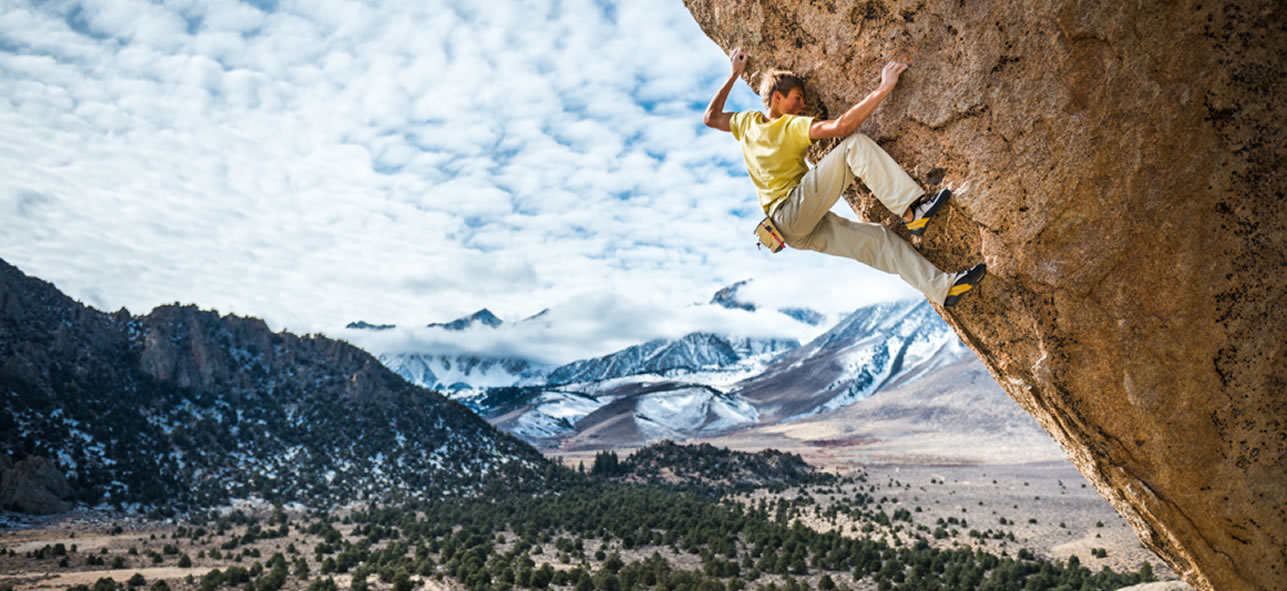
1125	179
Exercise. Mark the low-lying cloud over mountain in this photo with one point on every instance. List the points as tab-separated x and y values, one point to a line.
697	384
593	325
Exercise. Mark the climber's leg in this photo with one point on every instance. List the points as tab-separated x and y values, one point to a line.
891	185
819	190
880	248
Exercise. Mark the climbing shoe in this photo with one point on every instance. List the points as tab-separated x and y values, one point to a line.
925	210
965	281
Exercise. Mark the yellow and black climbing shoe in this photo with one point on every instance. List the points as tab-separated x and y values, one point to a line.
965	282
925	210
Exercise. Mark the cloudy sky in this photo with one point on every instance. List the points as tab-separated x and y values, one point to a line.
318	162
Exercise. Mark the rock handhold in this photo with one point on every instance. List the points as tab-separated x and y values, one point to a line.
1123	165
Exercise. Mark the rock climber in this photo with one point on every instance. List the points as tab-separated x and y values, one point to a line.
797	200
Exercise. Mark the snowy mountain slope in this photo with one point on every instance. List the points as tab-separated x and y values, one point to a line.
482	317
543	417
872	348
643	413
638	409
635	392
660	388
693	353
463	355
458	372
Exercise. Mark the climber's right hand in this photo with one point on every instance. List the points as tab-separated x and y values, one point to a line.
889	74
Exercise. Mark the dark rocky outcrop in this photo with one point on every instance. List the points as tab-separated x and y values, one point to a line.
33	485
1126	188
707	469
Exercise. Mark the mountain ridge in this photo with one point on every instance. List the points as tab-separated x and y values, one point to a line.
626	399
183	408
483	317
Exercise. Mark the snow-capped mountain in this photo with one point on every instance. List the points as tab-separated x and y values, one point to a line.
462	372
483	317
690	354
628	411
874	347
466	374
455	372
664	383
703	384
647	413
730	297
697	385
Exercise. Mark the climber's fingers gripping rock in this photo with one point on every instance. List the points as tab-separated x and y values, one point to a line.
890	73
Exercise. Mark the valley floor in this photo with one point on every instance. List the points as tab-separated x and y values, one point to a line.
1044	507
1048	507
949	465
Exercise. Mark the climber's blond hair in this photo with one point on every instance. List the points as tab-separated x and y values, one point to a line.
781	81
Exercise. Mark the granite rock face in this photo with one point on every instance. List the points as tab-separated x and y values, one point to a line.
1125	179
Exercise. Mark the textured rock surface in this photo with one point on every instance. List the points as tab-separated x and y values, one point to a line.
1126	188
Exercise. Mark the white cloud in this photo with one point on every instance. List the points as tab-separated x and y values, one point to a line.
406	162
588	324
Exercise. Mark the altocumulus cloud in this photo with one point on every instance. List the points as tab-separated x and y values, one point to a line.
318	162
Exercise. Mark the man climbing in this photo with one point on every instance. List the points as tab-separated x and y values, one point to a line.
797	200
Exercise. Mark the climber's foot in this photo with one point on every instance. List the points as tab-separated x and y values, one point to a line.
965	282
925	210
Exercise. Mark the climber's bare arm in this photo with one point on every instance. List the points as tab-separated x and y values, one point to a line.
715	116
847	123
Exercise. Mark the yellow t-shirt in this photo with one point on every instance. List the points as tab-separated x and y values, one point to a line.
774	152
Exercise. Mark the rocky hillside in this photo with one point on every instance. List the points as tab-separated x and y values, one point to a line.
183	407
708	469
1123	163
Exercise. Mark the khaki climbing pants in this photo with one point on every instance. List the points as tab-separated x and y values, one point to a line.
807	223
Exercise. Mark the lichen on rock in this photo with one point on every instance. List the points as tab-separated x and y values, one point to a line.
1123	165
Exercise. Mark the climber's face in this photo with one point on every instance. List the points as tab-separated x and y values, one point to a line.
792	103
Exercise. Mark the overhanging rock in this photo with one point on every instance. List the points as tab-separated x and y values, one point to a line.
1125	168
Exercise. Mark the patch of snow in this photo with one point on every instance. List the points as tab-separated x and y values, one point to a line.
695	410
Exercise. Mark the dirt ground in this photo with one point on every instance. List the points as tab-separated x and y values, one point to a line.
84	534
1049	508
